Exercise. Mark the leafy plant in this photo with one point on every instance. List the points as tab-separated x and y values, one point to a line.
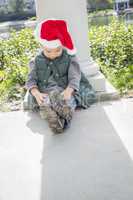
15	54
112	47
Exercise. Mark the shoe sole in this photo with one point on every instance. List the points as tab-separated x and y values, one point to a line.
53	120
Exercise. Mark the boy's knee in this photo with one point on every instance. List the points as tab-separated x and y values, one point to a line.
29	102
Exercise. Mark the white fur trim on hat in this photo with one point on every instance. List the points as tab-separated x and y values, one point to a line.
71	52
51	44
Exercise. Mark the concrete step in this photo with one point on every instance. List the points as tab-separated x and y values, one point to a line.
92	160
109	94
105	91
98	82
89	67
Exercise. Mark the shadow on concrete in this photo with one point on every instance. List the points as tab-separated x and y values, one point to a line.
36	124
87	162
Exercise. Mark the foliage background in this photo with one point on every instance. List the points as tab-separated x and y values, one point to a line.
112	48
15	53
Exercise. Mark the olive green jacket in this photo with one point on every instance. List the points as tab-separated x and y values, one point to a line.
63	71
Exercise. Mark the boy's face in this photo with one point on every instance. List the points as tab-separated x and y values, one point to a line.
52	53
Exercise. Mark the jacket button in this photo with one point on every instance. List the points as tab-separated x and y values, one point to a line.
50	63
44	81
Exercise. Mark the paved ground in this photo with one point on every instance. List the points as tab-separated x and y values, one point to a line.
17	25
91	161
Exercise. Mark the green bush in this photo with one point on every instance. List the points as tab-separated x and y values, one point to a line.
112	48
15	54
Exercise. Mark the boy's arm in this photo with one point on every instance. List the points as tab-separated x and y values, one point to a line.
74	74
32	77
31	84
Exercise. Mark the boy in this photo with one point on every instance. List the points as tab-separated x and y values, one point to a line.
55	80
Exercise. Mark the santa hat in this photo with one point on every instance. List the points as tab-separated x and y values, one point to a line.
53	33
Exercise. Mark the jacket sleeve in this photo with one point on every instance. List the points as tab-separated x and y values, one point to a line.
74	74
32	76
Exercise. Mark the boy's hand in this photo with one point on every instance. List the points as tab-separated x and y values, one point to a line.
67	93
38	95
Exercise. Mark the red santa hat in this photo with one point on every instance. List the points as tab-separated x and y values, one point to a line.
53	33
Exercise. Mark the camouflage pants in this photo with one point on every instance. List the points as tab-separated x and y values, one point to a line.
33	105
71	102
59	105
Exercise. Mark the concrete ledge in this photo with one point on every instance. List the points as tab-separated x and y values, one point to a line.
25	104
98	82
105	91
92	160
89	67
109	94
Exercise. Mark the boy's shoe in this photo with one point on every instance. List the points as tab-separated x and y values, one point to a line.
60	106
54	121
64	111
59	126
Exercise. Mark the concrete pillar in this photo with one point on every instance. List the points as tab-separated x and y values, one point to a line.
75	13
128	4
117	7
